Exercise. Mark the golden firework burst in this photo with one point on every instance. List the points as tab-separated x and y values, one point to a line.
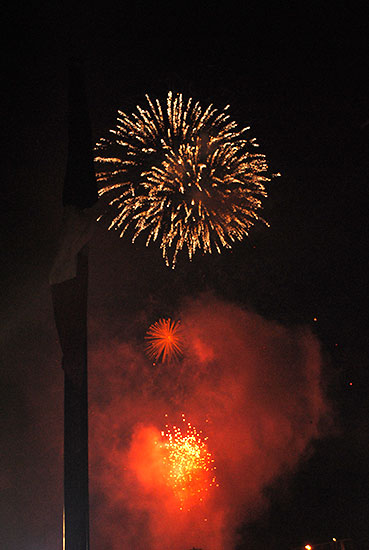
189	465
186	176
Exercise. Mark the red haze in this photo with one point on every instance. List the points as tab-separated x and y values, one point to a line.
252	386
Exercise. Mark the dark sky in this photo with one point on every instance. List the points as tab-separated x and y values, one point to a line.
297	73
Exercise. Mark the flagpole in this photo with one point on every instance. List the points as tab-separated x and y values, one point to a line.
69	280
76	496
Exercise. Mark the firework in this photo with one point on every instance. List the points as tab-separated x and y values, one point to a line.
189	465
184	175
164	340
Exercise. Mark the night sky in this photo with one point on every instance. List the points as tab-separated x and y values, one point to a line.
298	75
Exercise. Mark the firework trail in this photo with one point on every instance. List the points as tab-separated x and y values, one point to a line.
164	340
184	175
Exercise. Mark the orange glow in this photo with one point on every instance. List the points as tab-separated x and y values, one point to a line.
189	465
229	354
307	547
164	340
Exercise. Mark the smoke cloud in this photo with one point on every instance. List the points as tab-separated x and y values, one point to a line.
252	386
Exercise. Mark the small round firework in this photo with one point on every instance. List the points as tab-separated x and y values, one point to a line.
164	340
184	175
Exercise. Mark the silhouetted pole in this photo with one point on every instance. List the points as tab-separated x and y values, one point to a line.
69	279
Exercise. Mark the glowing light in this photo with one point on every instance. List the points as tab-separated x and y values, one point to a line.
186	176
307	547
164	340
189	465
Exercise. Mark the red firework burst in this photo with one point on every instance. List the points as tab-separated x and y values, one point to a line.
164	340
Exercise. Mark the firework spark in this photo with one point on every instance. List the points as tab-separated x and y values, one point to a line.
189	465
185	175
164	340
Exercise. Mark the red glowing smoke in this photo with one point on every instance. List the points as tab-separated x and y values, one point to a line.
252	386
